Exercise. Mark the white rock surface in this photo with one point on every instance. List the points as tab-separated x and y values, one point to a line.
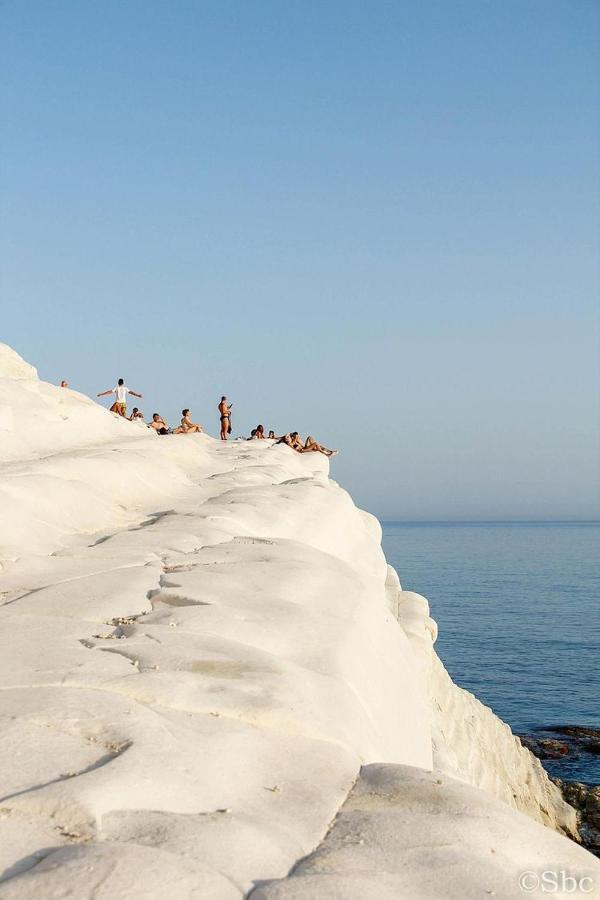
199	650
406	833
469	741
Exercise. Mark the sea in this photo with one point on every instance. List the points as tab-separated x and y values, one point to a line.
518	610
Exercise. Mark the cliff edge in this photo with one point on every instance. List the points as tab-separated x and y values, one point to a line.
214	686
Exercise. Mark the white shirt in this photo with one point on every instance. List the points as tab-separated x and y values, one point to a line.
121	391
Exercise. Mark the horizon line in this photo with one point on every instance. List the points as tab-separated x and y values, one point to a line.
385	521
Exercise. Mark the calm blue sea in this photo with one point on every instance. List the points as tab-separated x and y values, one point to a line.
519	617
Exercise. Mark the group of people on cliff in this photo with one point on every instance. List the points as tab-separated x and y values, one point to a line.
186	426
157	423
293	440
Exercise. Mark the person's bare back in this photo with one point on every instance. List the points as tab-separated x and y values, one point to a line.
120	391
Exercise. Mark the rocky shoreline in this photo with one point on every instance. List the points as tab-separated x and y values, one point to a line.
568	741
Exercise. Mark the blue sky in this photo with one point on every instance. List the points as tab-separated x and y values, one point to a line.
377	222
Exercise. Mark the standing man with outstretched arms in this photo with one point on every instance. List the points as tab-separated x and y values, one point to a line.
225	413
120	404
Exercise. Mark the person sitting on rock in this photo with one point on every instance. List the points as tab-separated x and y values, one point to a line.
187	426
136	415
292	440
158	424
257	434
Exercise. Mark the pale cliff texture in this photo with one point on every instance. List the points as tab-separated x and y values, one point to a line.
204	659
469	742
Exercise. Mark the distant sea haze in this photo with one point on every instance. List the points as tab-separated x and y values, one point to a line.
517	604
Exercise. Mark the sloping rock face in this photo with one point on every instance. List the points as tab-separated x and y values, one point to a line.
407	833
470	742
201	649
14	366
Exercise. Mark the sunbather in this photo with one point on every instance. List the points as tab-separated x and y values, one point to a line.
257	434
187	426
312	446
294	441
158	424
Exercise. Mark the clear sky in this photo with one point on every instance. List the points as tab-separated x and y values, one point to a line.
374	221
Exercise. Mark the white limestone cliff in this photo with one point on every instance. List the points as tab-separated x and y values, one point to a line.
205	662
470	742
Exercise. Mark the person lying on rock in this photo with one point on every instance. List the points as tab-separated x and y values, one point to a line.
312	446
158	424
294	441
187	426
